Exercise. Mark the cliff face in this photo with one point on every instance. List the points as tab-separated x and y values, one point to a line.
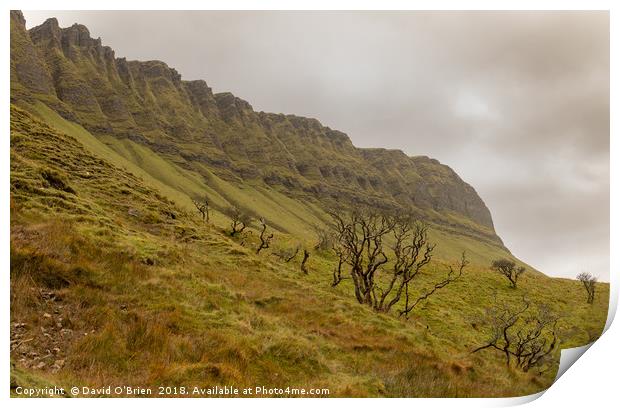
149	103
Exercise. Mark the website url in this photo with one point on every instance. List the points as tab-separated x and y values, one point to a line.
290	391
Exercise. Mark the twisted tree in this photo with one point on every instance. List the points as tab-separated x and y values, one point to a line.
265	239
303	266
508	269
589	283
452	276
359	245
360	236
342	258
528	336
203	208
411	252
239	219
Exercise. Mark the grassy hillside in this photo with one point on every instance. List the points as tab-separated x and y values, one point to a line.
289	216
116	280
185	136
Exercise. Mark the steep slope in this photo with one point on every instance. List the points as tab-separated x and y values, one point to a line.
183	121
112	283
115	279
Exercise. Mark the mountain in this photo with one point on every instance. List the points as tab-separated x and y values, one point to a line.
148	103
116	279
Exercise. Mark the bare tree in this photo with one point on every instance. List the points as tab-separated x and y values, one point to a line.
360	235
412	251
265	239
342	258
589	283
203	208
239	219
528	336
359	245
452	276
509	269
304	268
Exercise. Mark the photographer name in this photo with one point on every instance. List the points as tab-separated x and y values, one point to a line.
110	390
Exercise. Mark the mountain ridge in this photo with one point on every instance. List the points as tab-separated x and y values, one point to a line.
149	103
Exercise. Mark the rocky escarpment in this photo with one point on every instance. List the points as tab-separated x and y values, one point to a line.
149	103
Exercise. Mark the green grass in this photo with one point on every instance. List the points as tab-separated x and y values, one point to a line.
287	215
154	296
182	185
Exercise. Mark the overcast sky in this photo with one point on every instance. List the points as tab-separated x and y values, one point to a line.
517	103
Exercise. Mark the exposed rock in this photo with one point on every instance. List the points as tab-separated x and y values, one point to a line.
27	66
48	33
149	103
202	97
231	107
18	17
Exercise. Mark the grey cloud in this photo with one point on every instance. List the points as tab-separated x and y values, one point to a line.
516	102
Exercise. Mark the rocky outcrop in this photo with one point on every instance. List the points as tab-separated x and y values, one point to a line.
28	71
202	97
232	108
449	191
150	103
48	34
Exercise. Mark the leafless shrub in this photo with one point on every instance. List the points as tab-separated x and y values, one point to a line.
203	208
265	239
341	253
523	334
589	283
452	276
509	269
239	219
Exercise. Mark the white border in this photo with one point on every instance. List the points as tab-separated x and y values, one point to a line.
591	381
